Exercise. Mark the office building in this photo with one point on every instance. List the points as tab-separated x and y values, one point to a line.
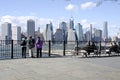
49	32
71	39
79	32
63	27
58	36
87	36
98	35
71	24
16	34
105	31
91	36
31	28
6	32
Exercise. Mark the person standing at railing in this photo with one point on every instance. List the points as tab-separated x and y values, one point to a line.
31	45
23	45
39	44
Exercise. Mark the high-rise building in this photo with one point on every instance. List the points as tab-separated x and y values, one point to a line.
91	32
39	29
63	27
71	36
87	36
79	32
6	31
16	34
58	36
98	35
31	28
105	31
71	24
49	32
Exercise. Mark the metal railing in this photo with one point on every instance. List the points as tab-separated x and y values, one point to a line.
12	49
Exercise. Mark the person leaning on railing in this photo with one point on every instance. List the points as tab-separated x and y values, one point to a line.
23	45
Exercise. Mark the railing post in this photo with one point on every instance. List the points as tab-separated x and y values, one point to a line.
49	53
11	49
77	47
64	48
100	46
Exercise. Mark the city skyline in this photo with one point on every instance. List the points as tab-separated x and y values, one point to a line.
83	11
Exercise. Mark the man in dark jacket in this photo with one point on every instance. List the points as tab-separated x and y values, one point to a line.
23	45
31	45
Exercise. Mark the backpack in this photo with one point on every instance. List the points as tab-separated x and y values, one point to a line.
23	43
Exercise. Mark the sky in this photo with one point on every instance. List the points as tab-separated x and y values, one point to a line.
85	12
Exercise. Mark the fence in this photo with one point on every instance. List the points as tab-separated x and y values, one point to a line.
12	49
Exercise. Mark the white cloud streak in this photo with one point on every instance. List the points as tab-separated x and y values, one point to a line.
87	5
71	7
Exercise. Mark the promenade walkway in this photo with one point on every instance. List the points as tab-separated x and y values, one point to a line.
62	68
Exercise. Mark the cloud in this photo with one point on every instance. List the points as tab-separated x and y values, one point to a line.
22	21
71	7
87	5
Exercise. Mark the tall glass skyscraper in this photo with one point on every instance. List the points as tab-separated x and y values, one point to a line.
6	31
71	24
105	31
58	36
16	32
71	36
79	32
63	27
91	37
31	28
98	35
49	32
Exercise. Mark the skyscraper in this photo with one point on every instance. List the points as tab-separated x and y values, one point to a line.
49	32
6	31
79	32
71	36
63	27
58	36
87	36
91	32
16	33
105	31
71	24
31	28
98	35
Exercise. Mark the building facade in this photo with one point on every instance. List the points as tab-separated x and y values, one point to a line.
98	35
49	32
71	24
6	32
63	27
105	31
31	28
58	36
79	32
16	34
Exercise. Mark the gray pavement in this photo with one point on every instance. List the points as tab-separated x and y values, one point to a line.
63	68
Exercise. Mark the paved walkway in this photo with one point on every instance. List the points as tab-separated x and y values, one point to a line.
66	68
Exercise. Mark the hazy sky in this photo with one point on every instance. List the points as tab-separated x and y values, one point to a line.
44	11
